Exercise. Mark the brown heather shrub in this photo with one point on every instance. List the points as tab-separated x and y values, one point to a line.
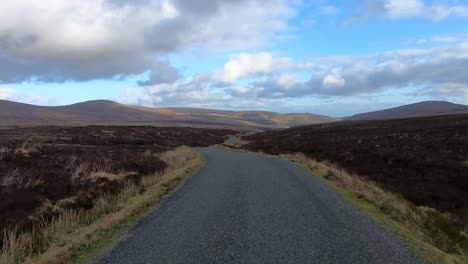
27	147
20	246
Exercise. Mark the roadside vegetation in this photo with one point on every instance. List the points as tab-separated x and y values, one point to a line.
438	237
47	171
73	235
423	159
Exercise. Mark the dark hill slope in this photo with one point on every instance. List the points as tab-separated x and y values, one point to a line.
427	108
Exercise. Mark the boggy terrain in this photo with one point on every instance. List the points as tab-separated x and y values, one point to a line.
46	170
424	159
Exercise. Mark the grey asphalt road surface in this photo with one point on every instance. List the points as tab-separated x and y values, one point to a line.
248	208
232	140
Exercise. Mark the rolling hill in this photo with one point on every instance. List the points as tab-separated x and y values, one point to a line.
421	109
102	112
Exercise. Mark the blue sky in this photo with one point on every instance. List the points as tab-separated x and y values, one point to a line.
329	57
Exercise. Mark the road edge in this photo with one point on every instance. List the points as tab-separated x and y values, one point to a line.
102	238
399	230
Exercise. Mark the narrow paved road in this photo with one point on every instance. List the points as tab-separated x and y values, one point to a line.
232	140
247	208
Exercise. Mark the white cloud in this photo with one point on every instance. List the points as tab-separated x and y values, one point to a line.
439	12
254	64
13	95
436	71
192	91
55	40
404	8
420	8
439	39
133	95
241	90
245	65
444	39
288	79
333	80
444	91
31	99
162	72
7	93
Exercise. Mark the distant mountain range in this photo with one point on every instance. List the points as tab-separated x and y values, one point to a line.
427	108
102	112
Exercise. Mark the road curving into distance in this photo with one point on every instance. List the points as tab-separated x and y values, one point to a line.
248	208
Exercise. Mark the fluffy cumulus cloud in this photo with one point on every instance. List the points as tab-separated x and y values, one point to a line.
55	40
436	72
7	93
162	72
194	91
81	40
440	71
253	64
12	94
404	8
333	80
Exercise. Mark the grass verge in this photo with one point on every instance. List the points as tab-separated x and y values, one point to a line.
435	236
75	235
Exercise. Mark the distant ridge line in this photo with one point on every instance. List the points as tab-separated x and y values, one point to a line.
105	112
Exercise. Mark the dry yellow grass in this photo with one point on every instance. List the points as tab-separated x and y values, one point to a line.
25	149
177	159
73	235
15	178
109	176
434	235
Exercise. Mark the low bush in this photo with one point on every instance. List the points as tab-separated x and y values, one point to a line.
75	230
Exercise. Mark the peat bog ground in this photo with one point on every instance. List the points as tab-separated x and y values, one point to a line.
423	159
45	170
